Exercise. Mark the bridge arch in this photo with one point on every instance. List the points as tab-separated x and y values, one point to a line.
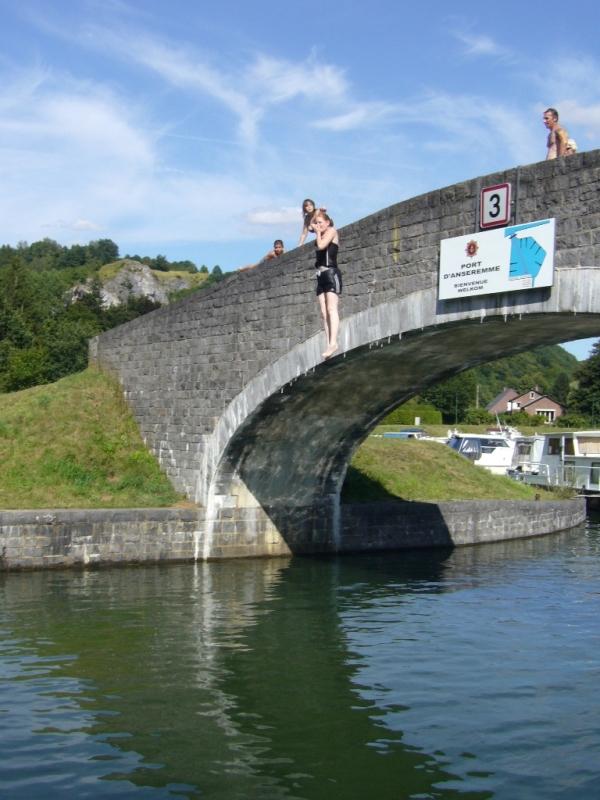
293	430
229	388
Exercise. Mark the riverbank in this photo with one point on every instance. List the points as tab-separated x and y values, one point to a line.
73	457
101	537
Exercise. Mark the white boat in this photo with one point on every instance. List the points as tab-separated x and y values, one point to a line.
559	459
493	450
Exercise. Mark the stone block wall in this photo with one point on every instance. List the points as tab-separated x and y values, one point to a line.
65	538
83	538
393	526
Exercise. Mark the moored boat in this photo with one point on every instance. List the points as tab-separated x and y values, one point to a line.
492	450
570	459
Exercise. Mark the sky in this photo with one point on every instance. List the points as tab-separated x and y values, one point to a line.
195	129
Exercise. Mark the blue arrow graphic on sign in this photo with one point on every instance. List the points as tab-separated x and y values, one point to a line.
526	254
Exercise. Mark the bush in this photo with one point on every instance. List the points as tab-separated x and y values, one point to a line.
517	418
522	418
406	413
24	368
478	416
573	421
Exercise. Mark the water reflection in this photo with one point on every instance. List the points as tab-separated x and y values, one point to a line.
393	675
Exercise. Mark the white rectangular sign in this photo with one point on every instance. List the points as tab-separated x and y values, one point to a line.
504	260
494	205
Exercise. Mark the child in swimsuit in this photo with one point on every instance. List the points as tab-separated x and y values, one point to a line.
329	278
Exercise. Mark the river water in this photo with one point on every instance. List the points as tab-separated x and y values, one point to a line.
471	673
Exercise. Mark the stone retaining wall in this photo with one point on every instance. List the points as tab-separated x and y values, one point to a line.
66	538
392	526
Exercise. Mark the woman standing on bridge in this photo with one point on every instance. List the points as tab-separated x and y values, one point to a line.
329	278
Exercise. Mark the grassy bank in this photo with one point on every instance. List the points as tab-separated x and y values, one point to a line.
73	444
409	469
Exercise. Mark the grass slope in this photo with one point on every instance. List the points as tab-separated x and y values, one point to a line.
74	444
393	469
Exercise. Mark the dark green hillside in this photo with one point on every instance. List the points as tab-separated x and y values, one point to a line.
550	368
542	367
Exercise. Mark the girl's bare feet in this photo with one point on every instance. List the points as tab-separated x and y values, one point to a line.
330	350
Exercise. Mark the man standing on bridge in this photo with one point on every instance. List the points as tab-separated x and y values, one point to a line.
558	136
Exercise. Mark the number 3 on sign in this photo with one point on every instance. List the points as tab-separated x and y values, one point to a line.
494	206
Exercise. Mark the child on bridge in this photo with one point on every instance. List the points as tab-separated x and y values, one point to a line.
309	212
329	278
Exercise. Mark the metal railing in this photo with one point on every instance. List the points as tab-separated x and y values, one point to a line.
576	476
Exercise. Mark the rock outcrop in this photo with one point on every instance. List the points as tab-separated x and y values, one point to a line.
131	279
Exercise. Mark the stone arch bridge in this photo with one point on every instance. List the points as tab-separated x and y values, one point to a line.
229	388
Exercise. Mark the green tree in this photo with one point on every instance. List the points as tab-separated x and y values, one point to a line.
560	388
45	254
538	367
24	368
65	344
586	398
74	256
573	421
104	251
161	263
7	253
453	396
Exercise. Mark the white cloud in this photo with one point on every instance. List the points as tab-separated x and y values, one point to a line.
74	225
470	125
572	86
274	80
585	118
247	90
572	77
183	69
359	116
74	158
480	45
274	216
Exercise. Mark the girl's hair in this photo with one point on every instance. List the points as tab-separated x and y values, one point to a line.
320	213
308	215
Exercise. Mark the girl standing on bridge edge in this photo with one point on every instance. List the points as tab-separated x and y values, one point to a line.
309	212
329	278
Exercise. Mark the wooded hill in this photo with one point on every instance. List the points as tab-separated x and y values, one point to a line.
53	300
550	368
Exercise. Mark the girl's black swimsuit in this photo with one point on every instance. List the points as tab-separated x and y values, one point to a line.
329	278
